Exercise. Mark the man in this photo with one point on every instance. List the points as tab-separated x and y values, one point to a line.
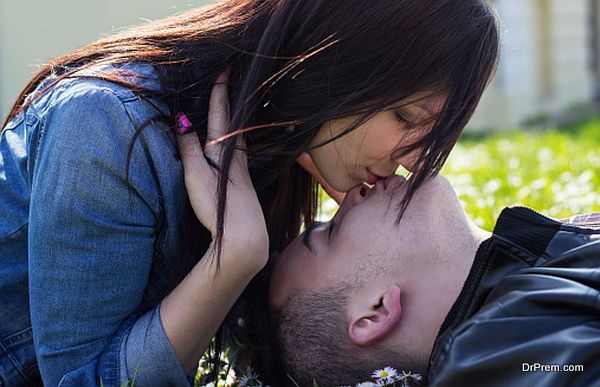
435	294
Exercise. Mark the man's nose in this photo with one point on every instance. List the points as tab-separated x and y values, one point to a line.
353	197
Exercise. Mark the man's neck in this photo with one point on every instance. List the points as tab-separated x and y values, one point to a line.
438	280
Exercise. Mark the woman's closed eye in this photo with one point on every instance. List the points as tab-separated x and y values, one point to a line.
401	118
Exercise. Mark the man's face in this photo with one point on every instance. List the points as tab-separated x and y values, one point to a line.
362	237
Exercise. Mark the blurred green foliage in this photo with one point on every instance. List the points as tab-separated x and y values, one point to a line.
555	171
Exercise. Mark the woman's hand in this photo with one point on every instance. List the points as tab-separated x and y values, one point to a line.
192	313
244	230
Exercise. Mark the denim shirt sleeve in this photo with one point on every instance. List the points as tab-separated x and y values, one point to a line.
91	245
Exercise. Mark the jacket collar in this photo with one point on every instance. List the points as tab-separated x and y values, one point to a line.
520	238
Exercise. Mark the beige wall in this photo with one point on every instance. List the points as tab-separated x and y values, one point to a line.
32	31
545	66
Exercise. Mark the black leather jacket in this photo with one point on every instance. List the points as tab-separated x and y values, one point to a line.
531	303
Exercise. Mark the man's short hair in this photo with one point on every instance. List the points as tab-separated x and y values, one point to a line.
312	331
305	340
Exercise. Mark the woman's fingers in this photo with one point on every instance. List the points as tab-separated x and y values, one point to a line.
191	152
240	157
218	116
218	123
243	218
200	179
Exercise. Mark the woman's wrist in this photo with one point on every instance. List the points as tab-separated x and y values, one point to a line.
192	313
241	252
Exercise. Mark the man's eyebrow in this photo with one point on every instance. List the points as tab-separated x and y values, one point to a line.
306	237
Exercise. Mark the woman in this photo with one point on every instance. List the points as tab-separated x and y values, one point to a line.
101	247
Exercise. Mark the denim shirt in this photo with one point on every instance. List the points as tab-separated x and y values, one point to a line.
84	252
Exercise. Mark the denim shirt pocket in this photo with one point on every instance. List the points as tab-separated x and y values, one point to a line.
18	364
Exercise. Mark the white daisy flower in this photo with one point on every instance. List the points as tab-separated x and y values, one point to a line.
407	377
410	375
250	379
386	375
366	384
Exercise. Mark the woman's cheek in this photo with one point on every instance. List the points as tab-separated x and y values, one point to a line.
331	167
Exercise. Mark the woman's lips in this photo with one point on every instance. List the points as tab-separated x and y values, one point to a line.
372	178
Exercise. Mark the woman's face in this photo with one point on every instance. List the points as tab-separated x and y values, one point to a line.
367	153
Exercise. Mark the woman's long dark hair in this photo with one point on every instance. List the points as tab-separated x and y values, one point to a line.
301	63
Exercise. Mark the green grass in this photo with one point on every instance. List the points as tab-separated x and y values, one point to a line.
556	172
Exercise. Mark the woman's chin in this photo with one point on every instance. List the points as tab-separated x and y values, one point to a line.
348	185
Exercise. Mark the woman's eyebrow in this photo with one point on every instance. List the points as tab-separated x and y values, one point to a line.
431	115
423	106
420	103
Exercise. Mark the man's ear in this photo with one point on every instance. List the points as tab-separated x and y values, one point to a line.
375	316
